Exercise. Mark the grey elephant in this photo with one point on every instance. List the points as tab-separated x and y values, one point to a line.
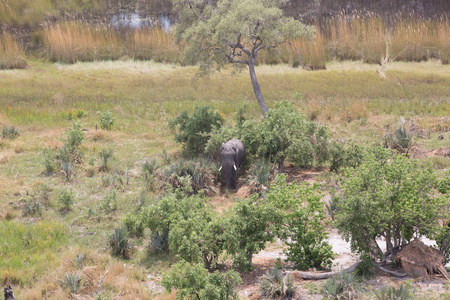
232	154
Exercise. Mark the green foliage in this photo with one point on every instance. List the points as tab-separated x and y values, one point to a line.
250	227
304	218
73	281
118	243
366	266
259	176
191	131
274	285
106	119
443	242
341	287
193	281
9	132
343	157
401	292
388	196
65	199
74	138
134	225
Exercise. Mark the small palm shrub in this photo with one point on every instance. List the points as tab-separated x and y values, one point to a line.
65	199
31	207
118	243
259	176
276	285
106	119
10	132
401	292
105	156
48	161
73	281
401	138
341	287
148	173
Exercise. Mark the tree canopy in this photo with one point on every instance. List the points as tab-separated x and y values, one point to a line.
217	32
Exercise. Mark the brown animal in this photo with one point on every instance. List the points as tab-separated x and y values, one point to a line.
9	295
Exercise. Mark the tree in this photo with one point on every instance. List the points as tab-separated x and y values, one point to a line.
388	196
234	31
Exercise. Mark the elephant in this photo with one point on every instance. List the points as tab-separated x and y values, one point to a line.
232	155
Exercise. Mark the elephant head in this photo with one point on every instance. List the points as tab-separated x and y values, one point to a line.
232	155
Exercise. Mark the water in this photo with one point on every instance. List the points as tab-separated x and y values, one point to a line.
135	20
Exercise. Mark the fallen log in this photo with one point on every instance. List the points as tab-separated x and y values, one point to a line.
397	274
319	276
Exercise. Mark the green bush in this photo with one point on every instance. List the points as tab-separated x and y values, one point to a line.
391	196
193	281
134	225
342	156
443	242
109	202
73	281
401	138
65	199
274	285
48	161
9	132
304	220
192	131
106	119
148	173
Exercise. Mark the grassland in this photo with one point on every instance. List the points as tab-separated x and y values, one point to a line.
43	100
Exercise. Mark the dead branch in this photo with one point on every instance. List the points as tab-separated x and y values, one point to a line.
319	276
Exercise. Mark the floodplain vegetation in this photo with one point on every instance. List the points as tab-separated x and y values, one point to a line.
109	190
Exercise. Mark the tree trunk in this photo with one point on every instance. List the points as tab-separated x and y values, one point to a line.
256	88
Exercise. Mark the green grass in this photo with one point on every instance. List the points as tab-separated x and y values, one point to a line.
27	250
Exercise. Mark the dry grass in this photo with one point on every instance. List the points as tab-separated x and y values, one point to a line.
73	41
154	43
11	56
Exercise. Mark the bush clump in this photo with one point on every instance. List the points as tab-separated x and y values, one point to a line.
65	199
276	285
191	131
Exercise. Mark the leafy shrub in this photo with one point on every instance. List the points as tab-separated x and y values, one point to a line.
193	281
191	131
106	119
10	132
73	281
366	267
105	156
341	287
65	199
79	260
304	218
343	157
134	225
274	285
74	138
401	292
118	243
387	195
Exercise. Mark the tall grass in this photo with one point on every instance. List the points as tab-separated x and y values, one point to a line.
11	56
73	41
154	43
